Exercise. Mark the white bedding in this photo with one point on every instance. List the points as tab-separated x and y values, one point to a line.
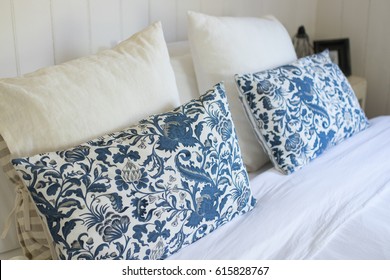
335	208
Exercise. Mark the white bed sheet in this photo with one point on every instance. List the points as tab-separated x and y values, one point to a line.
337	207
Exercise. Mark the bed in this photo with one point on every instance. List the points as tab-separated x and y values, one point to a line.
332	206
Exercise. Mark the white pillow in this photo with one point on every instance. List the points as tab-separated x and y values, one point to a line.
183	67
225	46
64	105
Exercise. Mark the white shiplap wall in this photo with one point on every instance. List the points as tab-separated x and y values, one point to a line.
366	23
39	33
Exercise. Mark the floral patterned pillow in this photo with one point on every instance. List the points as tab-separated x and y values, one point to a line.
301	109
144	192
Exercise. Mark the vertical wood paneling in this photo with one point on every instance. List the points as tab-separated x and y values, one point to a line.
243	7
33	34
54	31
378	59
165	11
329	19
135	16
281	9
214	7
70	29
356	31
106	25
304	14
182	7
8	62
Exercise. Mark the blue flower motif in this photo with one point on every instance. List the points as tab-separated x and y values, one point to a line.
159	232
159	252
243	199
140	209
263	120
264	86
114	228
131	175
125	152
76	154
252	101
225	128
176	130
207	203
294	143
305	88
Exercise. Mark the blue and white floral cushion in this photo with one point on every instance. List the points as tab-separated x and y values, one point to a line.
147	191
301	109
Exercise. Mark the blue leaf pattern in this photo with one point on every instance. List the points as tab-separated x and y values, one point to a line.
147	191
299	110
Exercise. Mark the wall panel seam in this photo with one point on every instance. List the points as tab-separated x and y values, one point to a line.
52	32
388	99
367	37
149	13
89	26
16	49
121	22
176	20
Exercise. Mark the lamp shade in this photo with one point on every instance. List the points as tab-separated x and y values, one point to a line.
301	43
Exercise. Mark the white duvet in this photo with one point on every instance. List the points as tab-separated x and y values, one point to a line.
337	207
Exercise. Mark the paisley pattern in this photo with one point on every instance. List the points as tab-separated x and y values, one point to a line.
145	192
301	109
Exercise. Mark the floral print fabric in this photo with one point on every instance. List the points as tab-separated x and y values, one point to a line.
301	109
147	191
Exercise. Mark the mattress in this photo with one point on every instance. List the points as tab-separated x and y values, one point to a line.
335	208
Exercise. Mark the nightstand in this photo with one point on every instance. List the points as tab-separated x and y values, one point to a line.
359	86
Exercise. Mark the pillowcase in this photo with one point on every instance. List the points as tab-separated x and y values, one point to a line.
64	105
183	67
29	228
301	109
224	46
147	191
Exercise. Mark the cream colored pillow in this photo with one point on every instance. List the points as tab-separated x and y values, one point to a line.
183	67
61	106
68	104
225	46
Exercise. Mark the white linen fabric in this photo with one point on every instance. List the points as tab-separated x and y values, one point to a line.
342	195
183	67
65	105
7	195
371	241
224	46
